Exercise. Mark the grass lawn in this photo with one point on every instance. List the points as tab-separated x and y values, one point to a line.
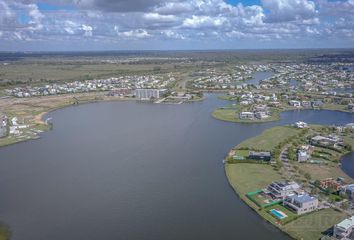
247	177
322	171
5	233
228	97
270	138
231	115
243	153
311	226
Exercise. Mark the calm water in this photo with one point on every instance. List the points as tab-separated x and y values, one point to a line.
348	164
127	170
258	76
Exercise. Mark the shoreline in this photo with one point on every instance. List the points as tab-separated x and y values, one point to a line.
271	119
235	181
39	118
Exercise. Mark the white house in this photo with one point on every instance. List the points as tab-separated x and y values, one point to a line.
344	229
301	204
281	189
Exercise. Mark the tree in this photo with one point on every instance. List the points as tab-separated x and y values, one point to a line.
307	176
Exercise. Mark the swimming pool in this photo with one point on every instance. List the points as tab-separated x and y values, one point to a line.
278	214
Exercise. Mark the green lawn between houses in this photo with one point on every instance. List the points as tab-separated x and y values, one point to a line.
270	138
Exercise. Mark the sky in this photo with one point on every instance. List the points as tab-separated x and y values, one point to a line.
79	25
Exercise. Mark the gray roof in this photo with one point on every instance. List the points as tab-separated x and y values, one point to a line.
302	198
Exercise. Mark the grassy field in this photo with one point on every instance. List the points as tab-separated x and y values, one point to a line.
5	233
39	72
270	138
312	226
248	177
231	115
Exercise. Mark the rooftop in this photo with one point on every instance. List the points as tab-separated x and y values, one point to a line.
346	223
302	198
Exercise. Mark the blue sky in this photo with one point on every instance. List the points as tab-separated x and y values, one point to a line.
65	25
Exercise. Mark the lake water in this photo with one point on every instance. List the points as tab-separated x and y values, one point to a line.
258	76
348	164
128	170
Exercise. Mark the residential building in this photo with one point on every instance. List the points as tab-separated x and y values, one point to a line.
330	183
302	156
295	103
261	115
147	94
262	156
247	115
301	124
280	190
301	203
348	191
344	229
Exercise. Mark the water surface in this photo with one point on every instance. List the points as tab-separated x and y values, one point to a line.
127	170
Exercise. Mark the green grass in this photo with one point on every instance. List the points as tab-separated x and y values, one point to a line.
270	138
228	97
231	115
311	226
247	177
5	233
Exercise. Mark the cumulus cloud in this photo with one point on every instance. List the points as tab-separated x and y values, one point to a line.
289	10
180	20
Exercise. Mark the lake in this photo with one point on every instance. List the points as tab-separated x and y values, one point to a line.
129	170
258	76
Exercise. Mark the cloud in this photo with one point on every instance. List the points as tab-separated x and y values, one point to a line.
289	10
185	22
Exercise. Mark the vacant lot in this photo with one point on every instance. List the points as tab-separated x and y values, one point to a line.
270	138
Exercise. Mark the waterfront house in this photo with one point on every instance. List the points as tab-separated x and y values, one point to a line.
330	183
344	229
280	190
301	203
247	115
262	156
295	103
261	115
301	124
316	103
348	191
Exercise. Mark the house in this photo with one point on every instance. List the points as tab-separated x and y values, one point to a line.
348	191
247	115
344	229
330	140
306	104
302	156
263	156
301	203
304	153
280	190
351	106
330	183
261	115
295	103
301	125
316	103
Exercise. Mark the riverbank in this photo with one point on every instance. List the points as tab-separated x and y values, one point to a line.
31	112
231	113
246	177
